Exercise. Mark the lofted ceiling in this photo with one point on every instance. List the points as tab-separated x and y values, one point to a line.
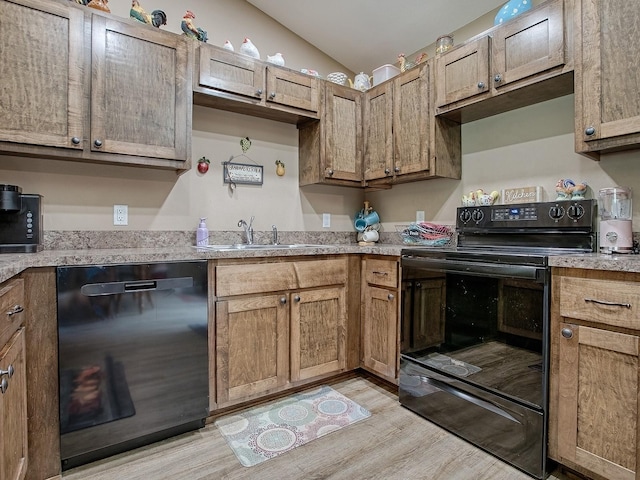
365	34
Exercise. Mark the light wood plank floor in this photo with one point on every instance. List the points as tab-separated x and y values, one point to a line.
393	443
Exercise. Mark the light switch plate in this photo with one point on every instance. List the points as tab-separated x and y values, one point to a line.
326	220
419	215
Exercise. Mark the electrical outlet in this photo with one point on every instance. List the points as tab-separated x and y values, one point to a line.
120	215
419	215
326	220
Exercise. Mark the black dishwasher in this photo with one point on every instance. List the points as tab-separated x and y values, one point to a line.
133	356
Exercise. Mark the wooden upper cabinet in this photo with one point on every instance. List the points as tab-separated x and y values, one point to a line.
521	62
140	95
606	96
41	73
463	72
378	132
528	44
228	72
292	89
243	84
330	150
412	123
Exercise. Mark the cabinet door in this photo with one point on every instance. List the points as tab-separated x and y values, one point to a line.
41	71
292	89
318	332
606	75
380	331
13	410
140	91
528	44
342	133
462	72
252	340
598	400
228	72
378	132
411	117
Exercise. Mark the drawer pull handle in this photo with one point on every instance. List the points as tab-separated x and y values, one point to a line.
14	310
604	302
8	372
376	272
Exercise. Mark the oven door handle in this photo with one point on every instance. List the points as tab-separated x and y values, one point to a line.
475	268
470	398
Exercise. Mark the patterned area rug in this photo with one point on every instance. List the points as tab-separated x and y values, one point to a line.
264	432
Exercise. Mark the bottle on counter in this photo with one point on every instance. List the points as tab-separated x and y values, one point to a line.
202	234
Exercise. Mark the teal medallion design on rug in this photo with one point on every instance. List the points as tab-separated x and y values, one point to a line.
267	431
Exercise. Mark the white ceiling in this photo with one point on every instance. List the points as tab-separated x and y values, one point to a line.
365	34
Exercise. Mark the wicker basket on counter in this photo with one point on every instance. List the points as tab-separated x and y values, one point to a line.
426	234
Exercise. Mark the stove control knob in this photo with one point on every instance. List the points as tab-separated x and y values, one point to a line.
575	212
477	216
465	216
556	212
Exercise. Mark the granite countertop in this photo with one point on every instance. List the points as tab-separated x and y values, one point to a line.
598	261
12	264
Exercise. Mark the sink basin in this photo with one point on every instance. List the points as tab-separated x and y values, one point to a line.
244	246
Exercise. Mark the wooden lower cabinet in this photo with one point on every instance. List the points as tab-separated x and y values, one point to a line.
13	409
278	324
380	316
595	366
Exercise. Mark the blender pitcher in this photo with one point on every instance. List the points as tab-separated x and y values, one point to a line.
614	205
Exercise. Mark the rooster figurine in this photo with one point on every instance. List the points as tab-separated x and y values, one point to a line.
276	59
190	30
249	49
157	17
404	64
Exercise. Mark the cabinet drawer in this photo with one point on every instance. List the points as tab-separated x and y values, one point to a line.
11	305
254	278
319	273
604	301
381	272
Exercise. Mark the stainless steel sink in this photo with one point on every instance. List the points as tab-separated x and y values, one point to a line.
245	246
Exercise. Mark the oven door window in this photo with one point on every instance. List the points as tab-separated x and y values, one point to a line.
485	330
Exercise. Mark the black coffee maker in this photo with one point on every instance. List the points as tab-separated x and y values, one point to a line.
20	221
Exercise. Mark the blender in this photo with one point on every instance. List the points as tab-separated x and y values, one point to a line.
614	205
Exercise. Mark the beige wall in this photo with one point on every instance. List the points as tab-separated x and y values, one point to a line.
530	146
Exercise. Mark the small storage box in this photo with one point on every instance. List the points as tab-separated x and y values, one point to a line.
383	73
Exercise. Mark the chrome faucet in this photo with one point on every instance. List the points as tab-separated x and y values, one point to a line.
275	234
248	229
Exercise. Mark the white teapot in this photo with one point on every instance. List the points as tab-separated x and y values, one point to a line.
362	82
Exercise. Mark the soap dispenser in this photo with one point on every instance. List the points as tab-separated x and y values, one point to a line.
202	234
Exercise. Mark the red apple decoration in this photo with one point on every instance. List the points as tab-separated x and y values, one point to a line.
203	165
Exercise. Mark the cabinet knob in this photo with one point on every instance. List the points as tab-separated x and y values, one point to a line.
283	300
75	140
272	95
497	78
14	310
8	372
330	172
481	85
4	385
390	296
296	298
259	92
589	131
97	143
387	171
397	169
567	333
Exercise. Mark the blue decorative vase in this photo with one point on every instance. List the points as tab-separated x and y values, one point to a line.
511	9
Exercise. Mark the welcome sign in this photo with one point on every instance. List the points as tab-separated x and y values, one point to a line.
521	195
